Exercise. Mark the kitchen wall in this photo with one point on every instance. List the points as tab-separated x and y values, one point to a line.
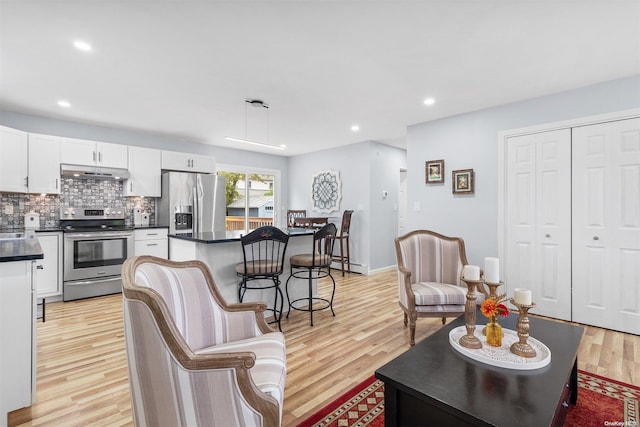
74	192
470	141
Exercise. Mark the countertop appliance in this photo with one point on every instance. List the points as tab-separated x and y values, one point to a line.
96	243
192	203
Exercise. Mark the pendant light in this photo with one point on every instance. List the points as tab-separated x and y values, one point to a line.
257	104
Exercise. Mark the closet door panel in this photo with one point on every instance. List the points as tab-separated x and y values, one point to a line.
538	218
520	213
606	223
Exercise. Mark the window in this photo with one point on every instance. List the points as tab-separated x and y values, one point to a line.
251	197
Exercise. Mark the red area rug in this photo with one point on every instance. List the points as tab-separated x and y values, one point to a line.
601	402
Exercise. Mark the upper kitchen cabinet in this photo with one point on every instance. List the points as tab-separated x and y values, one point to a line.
92	153
145	174
176	161
13	160
44	164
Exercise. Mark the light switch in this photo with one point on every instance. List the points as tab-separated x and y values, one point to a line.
416	206
360	207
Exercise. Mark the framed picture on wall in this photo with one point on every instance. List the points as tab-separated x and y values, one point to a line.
434	171
463	181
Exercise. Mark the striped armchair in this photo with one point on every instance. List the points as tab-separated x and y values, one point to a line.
429	270
195	360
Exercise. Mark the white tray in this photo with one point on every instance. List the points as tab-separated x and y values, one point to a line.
501	356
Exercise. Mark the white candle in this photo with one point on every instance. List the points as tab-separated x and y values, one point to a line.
471	272
522	296
491	270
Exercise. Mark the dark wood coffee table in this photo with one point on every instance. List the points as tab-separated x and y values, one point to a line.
432	384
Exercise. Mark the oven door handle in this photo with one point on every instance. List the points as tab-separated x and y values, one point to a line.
92	281
98	235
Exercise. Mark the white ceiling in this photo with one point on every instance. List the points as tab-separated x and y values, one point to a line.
184	68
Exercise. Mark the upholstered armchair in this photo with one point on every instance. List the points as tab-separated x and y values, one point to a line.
195	360
429	270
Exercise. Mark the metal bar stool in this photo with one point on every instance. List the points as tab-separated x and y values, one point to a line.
313	266
263	251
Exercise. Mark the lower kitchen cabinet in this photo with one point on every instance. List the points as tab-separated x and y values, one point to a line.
17	337
152	241
48	272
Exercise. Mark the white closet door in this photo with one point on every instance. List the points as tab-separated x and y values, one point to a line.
606	225
538	253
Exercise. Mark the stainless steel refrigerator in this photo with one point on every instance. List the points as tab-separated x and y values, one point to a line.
192	202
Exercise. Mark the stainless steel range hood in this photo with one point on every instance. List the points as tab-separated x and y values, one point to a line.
93	172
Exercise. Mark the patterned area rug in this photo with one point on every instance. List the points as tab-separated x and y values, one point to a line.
601	402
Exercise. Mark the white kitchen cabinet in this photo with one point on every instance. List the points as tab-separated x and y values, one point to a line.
13	160
145	172
18	337
48	273
177	161
93	153
152	241
44	164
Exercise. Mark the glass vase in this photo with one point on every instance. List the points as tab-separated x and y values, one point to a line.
494	333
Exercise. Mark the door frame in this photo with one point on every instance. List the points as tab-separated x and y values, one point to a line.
503	137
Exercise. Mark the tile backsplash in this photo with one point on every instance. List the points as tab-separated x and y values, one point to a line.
74	193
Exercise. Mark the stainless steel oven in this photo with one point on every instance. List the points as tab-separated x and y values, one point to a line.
96	244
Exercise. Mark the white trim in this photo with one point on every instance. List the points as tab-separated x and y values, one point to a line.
503	136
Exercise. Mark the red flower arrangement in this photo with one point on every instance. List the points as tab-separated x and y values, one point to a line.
491	308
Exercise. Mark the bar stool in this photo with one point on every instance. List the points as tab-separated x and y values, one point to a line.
344	241
313	266
263	251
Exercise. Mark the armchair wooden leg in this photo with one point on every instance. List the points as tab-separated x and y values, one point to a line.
406	319
444	320
412	329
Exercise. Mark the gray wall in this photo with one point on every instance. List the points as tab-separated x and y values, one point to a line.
366	169
470	141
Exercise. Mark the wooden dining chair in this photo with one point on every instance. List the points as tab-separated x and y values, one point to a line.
343	238
292	214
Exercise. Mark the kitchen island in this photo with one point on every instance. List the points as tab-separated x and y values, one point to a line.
18	252
221	251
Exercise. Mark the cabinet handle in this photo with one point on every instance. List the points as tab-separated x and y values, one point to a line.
26	181
152	234
152	244
100	156
56	183
40	267
596	238
94	156
131	186
547	235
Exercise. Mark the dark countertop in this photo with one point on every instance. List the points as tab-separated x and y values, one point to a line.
232	236
146	227
20	249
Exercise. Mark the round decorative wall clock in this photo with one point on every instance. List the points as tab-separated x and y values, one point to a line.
326	191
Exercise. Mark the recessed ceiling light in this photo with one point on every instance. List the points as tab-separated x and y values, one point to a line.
64	104
355	128
84	46
429	101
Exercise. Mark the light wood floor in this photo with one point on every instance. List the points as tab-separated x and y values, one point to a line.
83	380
